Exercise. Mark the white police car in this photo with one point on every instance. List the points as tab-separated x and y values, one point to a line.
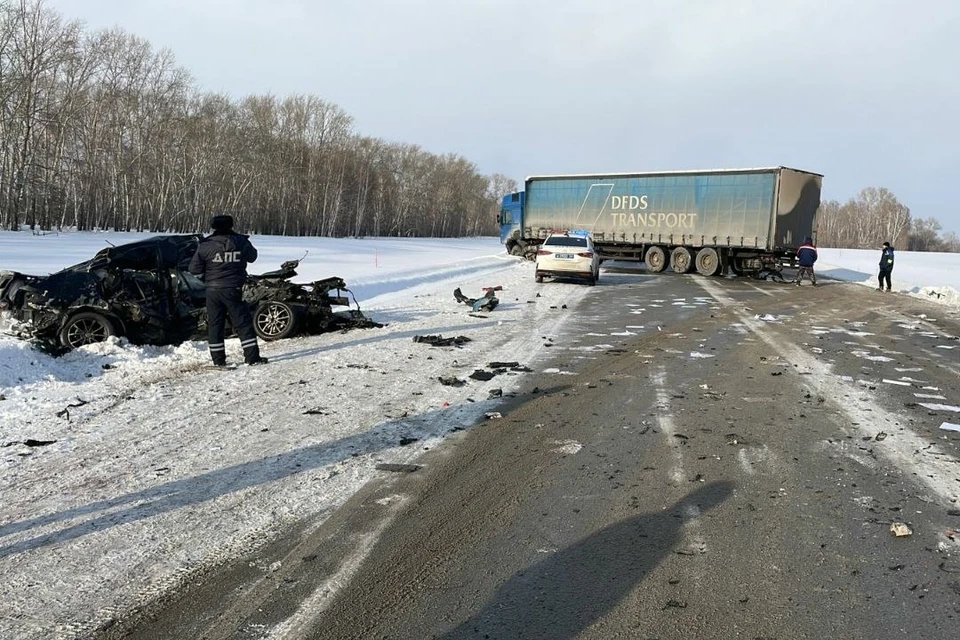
568	255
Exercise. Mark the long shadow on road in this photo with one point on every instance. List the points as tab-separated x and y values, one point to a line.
569	591
139	505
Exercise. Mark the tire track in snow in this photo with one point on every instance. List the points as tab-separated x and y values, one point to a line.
902	452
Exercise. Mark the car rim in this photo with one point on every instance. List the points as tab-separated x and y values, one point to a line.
273	320
86	332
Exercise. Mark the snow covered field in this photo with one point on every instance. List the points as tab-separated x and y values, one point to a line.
126	470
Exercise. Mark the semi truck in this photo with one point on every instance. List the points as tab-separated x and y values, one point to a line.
748	221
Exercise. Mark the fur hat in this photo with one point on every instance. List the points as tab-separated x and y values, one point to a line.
221	223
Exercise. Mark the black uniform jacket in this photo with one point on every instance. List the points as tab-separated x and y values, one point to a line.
221	260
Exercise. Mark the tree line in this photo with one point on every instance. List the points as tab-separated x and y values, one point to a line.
100	131
875	216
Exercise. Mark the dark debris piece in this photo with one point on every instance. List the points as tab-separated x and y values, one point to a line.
405	441
487	302
503	365
30	442
440	341
482	375
451	381
400	468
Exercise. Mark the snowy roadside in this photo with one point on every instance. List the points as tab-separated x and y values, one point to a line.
929	276
159	468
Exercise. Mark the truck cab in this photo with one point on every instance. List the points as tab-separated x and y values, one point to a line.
511	219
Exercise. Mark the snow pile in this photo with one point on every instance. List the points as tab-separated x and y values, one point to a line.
931	276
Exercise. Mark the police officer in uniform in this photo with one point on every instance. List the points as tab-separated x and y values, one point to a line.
221	262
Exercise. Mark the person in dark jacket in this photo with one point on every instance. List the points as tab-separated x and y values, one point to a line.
221	261
886	266
806	257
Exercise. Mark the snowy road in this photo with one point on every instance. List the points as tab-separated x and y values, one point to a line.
130	472
702	458
158	469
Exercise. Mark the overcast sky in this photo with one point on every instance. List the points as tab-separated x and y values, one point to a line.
864	91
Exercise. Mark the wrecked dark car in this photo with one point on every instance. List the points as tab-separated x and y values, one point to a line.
143	291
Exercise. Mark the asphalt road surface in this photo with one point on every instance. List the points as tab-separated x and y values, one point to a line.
713	458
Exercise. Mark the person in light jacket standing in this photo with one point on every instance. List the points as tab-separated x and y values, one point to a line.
806	257
221	261
886	266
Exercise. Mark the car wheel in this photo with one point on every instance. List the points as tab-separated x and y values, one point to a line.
86	328
538	278
275	321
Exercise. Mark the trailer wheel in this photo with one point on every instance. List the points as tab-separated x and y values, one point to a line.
708	262
656	259
681	260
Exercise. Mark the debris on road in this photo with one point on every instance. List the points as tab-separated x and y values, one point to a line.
493	415
900	530
947	426
30	442
880	437
487	302
451	381
439	341
400	468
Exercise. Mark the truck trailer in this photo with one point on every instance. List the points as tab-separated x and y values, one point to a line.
749	221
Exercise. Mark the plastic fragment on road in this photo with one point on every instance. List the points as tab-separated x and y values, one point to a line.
939	407
949	426
487	302
493	415
900	530
400	468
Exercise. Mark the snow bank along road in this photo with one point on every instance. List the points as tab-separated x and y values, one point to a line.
688	458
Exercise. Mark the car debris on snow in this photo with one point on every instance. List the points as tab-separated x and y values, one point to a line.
900	530
451	381
949	426
493	415
487	302
30	442
439	341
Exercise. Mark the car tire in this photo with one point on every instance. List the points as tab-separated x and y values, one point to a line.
538	278
85	328
275	321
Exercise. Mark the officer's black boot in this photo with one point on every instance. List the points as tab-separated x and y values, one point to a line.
251	355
